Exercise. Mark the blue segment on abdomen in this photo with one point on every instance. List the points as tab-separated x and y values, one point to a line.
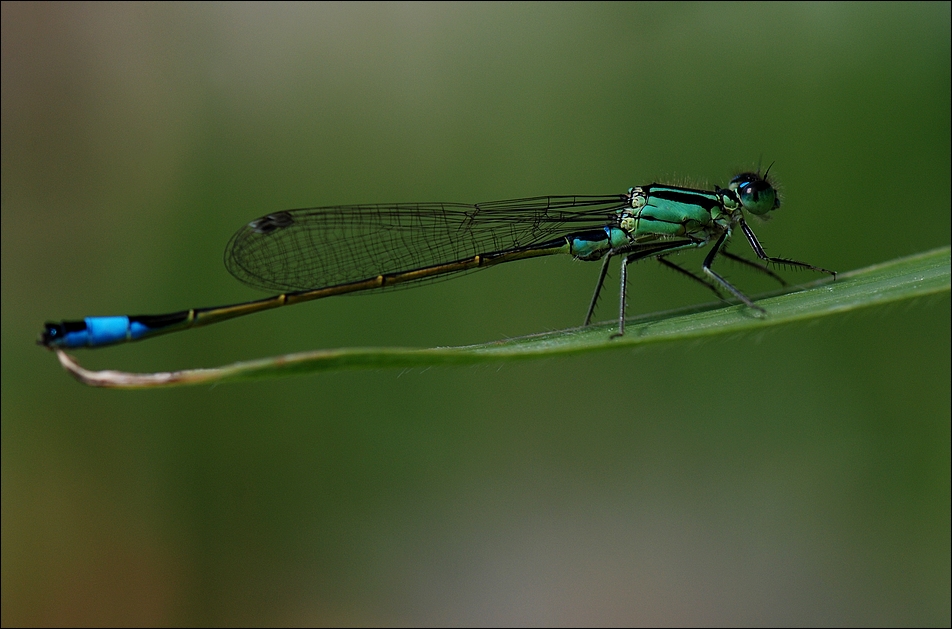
590	245
137	330
104	330
98	331
79	338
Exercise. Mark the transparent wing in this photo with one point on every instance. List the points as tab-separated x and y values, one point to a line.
318	247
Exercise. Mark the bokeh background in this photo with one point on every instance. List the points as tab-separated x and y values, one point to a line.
800	476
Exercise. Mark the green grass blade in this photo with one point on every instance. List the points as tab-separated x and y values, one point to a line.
901	279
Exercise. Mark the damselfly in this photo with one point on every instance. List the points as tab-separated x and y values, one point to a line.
318	252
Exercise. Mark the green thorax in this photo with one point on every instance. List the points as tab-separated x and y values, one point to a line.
659	210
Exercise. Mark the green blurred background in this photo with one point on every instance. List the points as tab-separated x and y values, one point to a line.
801	476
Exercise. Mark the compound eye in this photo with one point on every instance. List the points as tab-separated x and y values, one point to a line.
755	193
